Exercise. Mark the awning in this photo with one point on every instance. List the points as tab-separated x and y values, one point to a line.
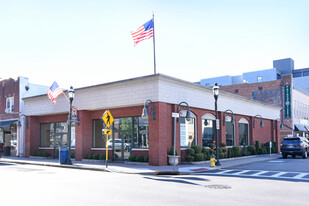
307	127
300	128
6	124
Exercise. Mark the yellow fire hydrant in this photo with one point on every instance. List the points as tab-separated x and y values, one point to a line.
212	160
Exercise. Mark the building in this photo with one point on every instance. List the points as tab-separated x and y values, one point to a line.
281	86
48	129
12	119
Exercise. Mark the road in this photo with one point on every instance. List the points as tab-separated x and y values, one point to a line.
41	185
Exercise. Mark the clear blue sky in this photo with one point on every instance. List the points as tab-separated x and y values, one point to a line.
86	42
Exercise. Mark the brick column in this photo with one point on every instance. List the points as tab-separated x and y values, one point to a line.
83	135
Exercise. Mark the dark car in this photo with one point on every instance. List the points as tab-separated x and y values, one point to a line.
295	146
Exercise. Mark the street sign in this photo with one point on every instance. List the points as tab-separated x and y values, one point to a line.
108	131
175	115
107	118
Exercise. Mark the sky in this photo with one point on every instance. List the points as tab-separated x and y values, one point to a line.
88	42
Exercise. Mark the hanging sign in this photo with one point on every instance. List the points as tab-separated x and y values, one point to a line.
287	102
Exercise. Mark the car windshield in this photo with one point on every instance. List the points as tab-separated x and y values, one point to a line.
291	141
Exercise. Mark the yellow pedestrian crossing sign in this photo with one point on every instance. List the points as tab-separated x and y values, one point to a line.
107	118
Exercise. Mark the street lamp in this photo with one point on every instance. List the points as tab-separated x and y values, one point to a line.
176	116
215	90
261	123
144	113
232	118
71	96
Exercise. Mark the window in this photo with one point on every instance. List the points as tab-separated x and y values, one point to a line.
56	134
243	129
123	128
9	108
229	133
236	91
259	79
208	129
187	130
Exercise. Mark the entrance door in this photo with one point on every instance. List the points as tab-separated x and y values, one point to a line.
122	145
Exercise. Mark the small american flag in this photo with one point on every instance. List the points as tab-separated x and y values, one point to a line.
143	32
54	91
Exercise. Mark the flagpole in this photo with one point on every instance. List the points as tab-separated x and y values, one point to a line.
154	46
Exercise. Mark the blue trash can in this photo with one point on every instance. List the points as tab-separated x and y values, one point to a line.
63	155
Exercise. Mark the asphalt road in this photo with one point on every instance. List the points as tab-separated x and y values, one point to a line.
40	185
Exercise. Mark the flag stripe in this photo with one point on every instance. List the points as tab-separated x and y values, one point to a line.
143	32
53	92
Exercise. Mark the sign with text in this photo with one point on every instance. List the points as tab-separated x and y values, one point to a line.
287	101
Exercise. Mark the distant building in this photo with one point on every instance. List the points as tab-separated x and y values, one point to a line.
12	119
281	85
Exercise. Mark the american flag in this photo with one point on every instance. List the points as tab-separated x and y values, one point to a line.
54	91
143	32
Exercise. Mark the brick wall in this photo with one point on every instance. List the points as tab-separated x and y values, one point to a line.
9	88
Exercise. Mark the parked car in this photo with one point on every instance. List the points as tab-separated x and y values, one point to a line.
1	147
295	146
117	144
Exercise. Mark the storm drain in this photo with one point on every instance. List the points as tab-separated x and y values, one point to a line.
218	187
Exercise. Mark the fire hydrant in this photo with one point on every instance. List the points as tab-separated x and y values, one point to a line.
212	160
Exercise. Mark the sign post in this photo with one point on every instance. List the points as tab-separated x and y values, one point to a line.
108	120
270	146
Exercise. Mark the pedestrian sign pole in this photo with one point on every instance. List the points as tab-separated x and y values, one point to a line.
108	120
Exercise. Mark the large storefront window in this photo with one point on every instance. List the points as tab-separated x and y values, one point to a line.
123	127
229	131
56	135
208	129
187	131
243	129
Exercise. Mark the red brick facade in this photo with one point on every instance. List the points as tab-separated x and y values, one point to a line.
9	88
160	130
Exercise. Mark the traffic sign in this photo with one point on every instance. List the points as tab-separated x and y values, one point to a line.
108	131
107	118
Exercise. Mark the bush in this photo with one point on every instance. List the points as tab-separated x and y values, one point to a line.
206	156
190	151
257	147
172	151
89	156
199	157
102	156
146	158
205	150
221	155
95	156
245	151
223	144
139	158
132	158
197	149
190	158
251	150
264	150
212	146
41	154
236	151
230	153
72	155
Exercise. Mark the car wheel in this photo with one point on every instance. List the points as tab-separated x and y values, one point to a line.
284	156
305	155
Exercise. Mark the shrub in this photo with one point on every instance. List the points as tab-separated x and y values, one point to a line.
89	156
257	146
190	151
206	156
230	153
264	150
221	156
199	157
212	146
245	151
95	156
251	150
172	151
224	150
72	155
132	158
197	149
102	156
140	158
190	158
223	144
236	151
146	158
205	150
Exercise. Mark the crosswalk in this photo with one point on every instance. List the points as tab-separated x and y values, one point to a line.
300	176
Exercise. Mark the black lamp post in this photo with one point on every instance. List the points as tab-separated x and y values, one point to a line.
261	123
71	96
232	118
146	105
215	90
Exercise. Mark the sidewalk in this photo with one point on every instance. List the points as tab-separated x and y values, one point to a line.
140	168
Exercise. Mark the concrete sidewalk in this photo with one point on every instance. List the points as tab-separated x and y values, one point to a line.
140	168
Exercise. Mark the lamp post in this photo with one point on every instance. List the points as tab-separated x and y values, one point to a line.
215	90
71	96
232	118
261	123
146	105
176	116
21	138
